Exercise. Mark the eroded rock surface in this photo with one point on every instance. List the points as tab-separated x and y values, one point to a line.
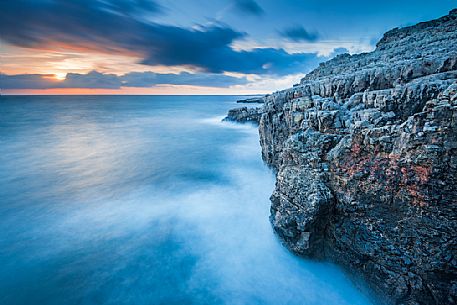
365	150
244	114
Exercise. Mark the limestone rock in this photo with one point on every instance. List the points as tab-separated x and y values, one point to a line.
365	150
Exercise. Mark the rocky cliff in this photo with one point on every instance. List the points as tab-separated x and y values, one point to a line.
365	150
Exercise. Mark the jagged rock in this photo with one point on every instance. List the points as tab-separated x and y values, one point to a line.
365	150
244	114
252	100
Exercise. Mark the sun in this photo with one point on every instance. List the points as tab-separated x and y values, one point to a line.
60	75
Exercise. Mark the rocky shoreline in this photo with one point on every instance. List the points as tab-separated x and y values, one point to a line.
365	151
245	114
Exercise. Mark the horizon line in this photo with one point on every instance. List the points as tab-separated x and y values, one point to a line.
260	94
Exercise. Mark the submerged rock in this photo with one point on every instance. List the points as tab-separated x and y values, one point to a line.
365	150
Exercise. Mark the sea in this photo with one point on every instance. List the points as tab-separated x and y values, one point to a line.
144	200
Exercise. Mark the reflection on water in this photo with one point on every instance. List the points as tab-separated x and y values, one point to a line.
143	200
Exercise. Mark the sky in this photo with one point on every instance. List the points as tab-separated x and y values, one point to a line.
186	46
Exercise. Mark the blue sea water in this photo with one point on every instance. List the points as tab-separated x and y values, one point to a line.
143	200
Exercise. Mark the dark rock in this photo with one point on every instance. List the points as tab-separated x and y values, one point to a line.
365	150
252	100
244	114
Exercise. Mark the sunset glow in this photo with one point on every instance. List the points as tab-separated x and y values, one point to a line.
60	76
228	152
88	47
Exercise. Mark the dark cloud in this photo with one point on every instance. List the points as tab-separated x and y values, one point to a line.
111	26
339	51
92	80
299	33
248	7
262	61
150	79
97	80
25	81
131	6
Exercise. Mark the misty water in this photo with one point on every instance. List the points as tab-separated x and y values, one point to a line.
143	200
